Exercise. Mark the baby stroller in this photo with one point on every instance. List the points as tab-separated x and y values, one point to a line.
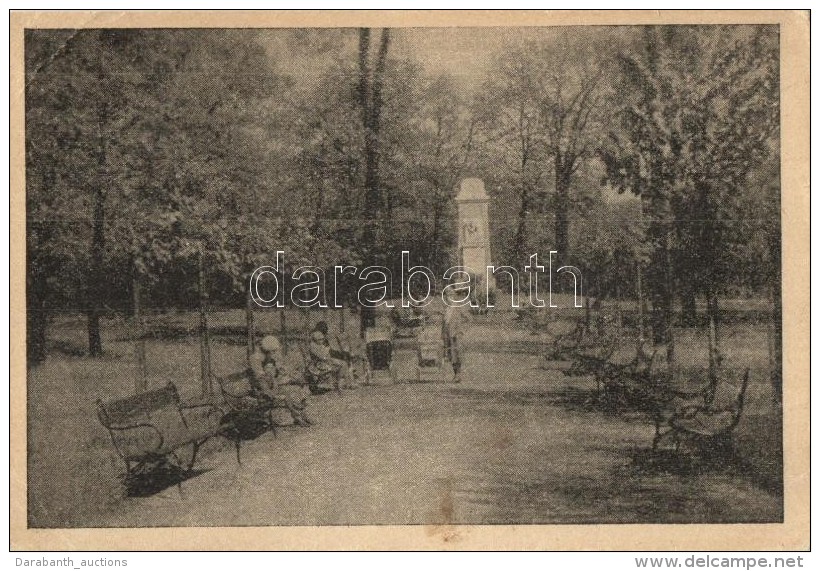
430	355
408	320
379	369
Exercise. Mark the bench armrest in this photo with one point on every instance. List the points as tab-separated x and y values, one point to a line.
702	393
201	415
720	410
233	394
136	440
687	411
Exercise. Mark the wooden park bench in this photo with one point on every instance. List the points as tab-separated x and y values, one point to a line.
565	345
149	428
247	413
239	396
591	356
630	384
708	423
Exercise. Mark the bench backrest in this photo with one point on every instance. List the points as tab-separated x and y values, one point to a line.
644	361
728	396
235	385
134	408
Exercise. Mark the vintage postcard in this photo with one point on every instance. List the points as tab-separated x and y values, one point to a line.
410	280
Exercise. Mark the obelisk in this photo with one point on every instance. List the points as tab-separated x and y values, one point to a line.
474	228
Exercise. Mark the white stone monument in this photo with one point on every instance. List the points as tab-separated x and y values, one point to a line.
474	227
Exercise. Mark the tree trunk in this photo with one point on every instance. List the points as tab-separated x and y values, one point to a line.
662	293
94	288
775	285
370	201
283	330
250	324
669	305
713	311
140	383
36	321
370	100
641	302
371	115
437	207
364	72
776	374
561	212
204	340
656	320
519	248
689	307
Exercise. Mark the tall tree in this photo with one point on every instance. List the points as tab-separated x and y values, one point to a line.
371	83
442	134
510	118
570	100
156	135
541	108
698	112
82	96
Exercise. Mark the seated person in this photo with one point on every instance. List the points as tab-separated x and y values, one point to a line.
272	381
325	359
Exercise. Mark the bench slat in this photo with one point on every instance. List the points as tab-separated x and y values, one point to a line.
130	408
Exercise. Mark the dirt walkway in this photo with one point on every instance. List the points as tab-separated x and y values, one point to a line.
497	448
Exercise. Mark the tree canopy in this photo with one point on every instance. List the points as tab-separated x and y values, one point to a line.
148	148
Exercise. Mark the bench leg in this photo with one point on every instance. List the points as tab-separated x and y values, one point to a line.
238	444
164	463
132	470
179	488
717	446
272	423
179	465
657	439
193	455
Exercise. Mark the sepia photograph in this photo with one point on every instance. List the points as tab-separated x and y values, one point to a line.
404	275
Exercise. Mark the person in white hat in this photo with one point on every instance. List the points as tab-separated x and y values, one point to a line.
271	379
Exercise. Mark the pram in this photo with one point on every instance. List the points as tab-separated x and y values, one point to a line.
408	320
430	355
379	369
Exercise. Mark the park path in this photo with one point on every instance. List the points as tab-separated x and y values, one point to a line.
495	449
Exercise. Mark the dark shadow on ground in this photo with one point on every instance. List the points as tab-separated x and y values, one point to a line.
66	348
158	478
692	462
